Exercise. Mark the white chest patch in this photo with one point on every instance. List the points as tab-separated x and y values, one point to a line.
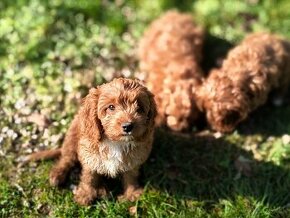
114	155
112	158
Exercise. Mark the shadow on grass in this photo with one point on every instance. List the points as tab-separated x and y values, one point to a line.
214	51
198	168
277	121
203	168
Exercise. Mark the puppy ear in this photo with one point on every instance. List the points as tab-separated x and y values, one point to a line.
90	124
152	109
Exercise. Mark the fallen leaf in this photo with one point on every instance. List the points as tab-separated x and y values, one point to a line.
43	209
218	135
243	165
133	210
278	101
39	119
172	173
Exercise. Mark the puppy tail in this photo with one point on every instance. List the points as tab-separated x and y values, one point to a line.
42	155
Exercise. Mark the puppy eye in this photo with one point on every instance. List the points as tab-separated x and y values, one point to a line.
111	107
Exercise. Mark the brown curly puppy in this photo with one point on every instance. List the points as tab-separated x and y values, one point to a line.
111	134
260	64
170	54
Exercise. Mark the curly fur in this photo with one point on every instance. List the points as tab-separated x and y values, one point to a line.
170	54
259	65
97	139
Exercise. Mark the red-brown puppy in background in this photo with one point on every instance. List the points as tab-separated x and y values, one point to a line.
259	65
112	134
170	53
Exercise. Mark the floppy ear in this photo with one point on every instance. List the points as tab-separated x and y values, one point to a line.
90	125
152	109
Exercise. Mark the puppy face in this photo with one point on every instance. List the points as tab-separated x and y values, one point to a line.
227	111
125	109
224	119
224	102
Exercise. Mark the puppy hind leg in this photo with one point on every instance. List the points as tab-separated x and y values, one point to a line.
59	172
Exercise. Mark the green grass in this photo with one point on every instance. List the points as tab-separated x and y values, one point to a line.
51	52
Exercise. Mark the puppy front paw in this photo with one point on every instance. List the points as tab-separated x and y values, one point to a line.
85	195
102	192
131	194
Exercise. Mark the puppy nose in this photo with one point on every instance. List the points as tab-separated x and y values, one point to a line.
127	127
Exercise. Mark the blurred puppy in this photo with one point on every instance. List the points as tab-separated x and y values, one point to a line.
112	134
170	54
260	64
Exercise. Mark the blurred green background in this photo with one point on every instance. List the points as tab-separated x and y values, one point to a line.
62	43
52	51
